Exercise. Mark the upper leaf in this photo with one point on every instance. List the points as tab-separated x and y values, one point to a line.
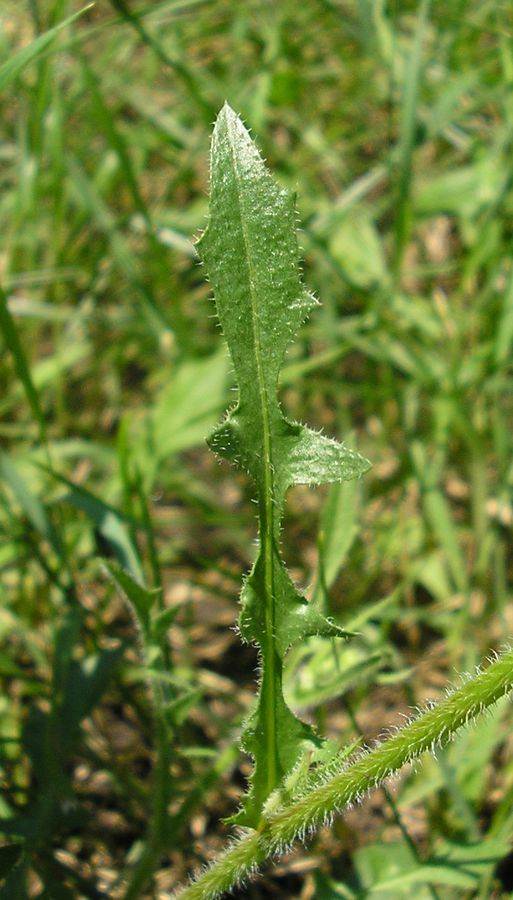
251	253
250	250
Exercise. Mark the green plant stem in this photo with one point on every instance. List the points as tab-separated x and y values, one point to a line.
158	838
431	729
411	84
272	664
250	250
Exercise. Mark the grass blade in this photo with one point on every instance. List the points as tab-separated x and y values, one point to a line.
411	83
11	68
12	341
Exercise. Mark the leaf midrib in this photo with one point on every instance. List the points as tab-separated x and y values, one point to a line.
269	699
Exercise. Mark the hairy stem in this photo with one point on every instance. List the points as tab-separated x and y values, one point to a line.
432	728
270	662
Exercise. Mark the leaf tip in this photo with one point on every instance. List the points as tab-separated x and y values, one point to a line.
226	114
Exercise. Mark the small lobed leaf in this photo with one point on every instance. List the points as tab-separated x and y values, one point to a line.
140	598
312	458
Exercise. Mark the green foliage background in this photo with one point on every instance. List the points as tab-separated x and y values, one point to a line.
394	124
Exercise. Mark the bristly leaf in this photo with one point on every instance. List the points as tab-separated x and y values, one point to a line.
251	253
